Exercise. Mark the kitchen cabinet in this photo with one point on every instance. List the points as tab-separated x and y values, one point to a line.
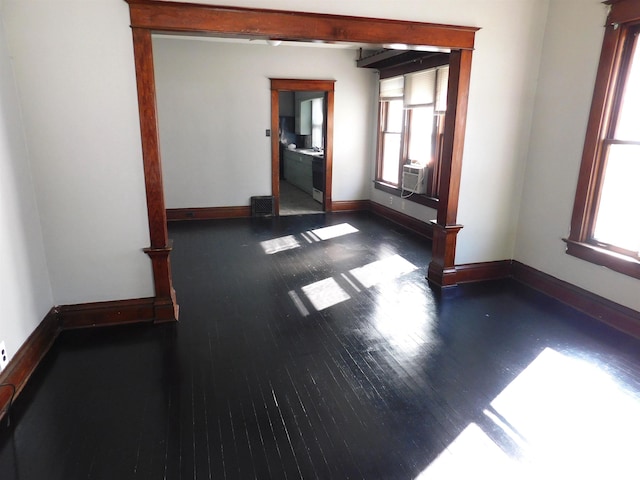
298	170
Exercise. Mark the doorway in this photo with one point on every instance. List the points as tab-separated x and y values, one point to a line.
302	149
180	18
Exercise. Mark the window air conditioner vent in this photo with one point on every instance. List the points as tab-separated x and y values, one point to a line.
413	178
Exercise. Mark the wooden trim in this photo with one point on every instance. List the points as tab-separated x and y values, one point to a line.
601	256
100	314
351	206
483	271
287	85
179	18
156	213
442	269
165	306
623	11
262	23
302	85
599	118
27	358
613	68
207	213
600	308
275	149
327	198
417	226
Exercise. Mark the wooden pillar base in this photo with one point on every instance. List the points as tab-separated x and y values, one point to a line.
442	269
165	307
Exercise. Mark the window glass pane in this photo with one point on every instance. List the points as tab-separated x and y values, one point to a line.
628	127
617	221
317	122
420	134
391	157
395	113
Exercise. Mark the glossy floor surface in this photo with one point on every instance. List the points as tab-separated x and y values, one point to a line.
312	347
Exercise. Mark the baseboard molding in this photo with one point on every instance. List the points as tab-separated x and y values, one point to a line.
207	213
613	314
99	314
27	358
418	226
482	271
350	206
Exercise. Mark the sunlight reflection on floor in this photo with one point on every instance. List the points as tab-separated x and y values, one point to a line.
334	231
383	270
569	418
289	242
325	293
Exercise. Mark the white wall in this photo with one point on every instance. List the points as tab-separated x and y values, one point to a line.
74	67
214	105
24	278
567	76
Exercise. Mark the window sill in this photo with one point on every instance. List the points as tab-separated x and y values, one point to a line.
615	261
422	199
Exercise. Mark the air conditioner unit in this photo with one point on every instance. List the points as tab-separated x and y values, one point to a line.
413	178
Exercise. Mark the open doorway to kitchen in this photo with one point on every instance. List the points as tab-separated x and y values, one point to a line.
302	149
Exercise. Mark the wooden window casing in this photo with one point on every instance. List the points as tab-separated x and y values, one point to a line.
622	28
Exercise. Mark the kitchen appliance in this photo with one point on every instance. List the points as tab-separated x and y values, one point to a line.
317	170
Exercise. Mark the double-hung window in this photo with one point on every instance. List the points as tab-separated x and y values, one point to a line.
411	113
605	226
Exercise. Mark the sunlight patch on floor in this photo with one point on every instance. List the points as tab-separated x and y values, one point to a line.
565	417
280	244
334	231
383	270
289	242
325	293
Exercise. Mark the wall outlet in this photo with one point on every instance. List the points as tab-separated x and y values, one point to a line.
4	356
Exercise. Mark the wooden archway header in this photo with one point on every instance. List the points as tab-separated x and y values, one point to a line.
148	16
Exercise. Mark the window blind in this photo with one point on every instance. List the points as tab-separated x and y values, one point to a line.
392	88
420	88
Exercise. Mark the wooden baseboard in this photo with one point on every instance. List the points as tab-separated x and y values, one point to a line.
410	223
98	314
350	206
600	308
482	271
207	213
27	358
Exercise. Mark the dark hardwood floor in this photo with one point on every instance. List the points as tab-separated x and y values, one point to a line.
313	352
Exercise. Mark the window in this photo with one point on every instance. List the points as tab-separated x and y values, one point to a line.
411	113
317	123
605	227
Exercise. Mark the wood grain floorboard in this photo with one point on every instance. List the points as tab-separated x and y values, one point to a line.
298	357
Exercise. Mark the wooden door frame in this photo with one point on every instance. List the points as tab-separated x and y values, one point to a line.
151	16
296	85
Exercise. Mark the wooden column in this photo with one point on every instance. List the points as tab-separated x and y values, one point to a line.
442	270
165	306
